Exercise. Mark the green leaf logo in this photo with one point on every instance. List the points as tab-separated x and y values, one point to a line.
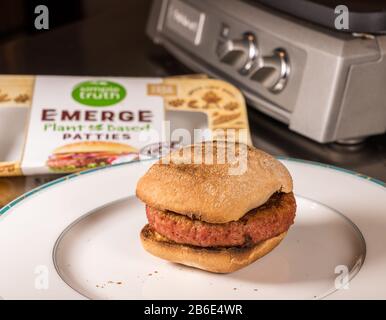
99	93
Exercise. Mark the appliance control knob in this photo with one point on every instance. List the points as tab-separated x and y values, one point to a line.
272	71
240	53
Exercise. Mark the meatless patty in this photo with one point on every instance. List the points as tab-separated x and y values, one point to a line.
262	223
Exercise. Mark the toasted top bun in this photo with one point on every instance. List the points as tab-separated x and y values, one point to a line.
220	191
95	146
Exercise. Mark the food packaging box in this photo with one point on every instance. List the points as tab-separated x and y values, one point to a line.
62	124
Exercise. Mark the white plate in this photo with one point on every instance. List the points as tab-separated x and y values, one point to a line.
78	237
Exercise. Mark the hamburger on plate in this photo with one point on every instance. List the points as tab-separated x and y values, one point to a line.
220	214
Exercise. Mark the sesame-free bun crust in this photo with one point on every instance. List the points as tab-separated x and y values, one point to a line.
209	192
218	260
95	146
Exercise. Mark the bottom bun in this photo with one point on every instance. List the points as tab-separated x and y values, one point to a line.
218	260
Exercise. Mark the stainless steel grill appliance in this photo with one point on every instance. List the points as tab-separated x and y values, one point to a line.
288	58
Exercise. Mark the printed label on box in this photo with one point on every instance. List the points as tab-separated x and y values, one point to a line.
78	123
63	124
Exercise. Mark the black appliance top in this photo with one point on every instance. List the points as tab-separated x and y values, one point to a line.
365	16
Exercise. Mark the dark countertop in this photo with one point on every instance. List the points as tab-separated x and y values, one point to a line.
112	42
